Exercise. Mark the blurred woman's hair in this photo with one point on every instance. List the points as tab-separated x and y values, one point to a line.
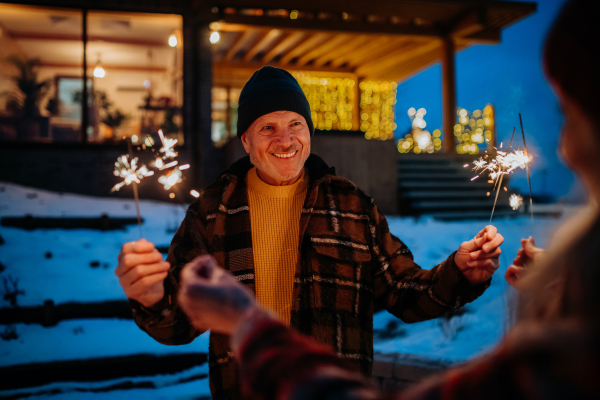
571	55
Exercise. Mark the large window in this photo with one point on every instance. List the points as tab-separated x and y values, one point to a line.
133	72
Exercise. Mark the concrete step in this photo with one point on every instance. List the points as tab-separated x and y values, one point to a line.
459	185
444	194
487	203
433	175
97	369
410	167
473	215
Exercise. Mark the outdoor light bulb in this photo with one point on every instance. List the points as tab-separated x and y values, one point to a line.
173	40
424	139
215	37
99	72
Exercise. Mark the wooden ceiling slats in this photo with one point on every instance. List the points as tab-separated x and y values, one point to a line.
387	39
397	57
262	44
361	51
374	50
322	49
244	38
285	45
312	41
350	46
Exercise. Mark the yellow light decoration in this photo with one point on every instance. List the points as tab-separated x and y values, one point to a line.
474	130
420	140
377	100
331	100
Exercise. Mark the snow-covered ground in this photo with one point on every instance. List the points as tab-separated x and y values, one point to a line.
55	264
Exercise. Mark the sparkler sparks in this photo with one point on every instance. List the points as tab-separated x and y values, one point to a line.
503	164
129	172
167	146
170	179
515	201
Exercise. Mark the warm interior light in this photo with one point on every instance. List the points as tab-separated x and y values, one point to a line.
215	37
99	71
173	40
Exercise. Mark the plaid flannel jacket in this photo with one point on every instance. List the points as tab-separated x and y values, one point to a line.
348	261
555	359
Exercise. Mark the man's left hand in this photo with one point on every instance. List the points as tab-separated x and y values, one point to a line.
478	258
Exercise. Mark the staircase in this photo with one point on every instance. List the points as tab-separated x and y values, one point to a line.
440	185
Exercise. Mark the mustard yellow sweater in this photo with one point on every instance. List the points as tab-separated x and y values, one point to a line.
275	221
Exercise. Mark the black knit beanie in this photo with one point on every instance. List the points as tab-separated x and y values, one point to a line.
271	89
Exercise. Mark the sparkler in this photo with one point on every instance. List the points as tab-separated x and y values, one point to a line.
131	174
504	163
129	171
167	146
515	201
171	178
528	176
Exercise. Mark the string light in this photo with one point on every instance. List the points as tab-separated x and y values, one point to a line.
215	37
173	40
331	100
129	171
419	140
475	130
377	100
99	71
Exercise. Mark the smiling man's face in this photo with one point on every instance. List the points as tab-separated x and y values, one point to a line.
278	144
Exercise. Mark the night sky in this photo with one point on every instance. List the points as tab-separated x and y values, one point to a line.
509	76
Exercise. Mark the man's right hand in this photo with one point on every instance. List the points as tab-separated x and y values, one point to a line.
141	272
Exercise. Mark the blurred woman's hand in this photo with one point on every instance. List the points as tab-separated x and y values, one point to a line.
526	255
212	298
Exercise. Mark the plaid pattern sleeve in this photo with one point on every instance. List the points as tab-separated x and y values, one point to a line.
277	363
406	290
166	323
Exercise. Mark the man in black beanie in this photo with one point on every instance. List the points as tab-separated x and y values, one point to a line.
310	245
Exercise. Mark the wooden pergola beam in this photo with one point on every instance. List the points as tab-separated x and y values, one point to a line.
468	24
448	94
331	26
224	67
432	9
265	41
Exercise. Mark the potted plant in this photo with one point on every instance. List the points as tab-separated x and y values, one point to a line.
24	105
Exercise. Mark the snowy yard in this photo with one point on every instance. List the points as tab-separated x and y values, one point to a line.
78	266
